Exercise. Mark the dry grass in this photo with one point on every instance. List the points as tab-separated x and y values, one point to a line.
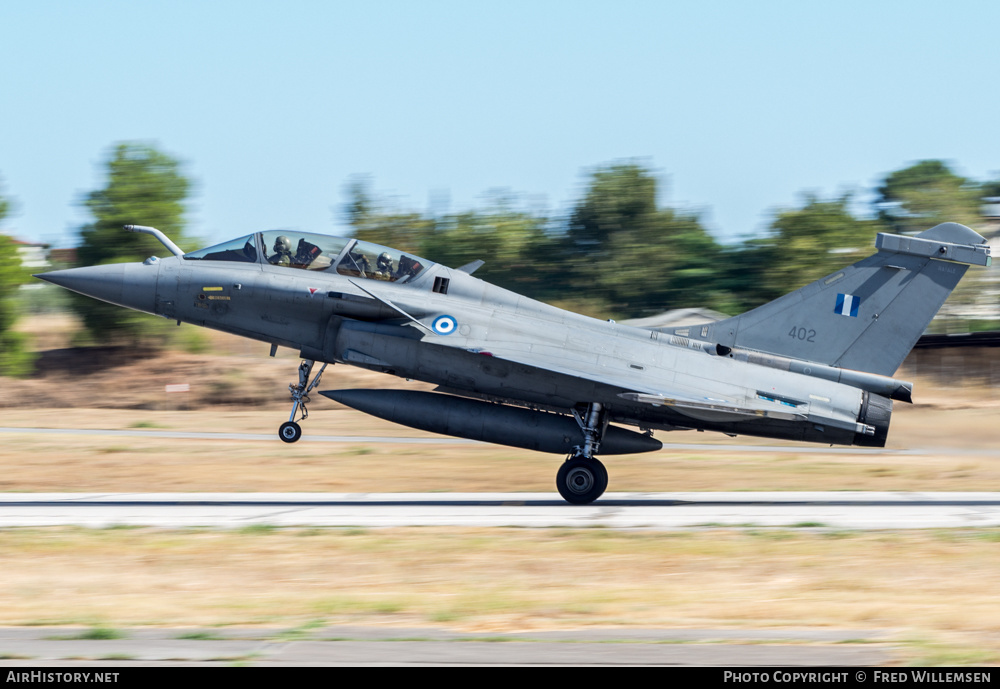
925	588
40	462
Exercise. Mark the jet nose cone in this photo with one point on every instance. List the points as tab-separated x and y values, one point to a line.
132	285
100	282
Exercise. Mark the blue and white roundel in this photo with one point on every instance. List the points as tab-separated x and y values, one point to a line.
444	325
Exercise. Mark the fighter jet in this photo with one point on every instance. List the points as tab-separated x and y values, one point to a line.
815	365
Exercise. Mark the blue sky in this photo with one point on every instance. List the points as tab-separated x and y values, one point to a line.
272	107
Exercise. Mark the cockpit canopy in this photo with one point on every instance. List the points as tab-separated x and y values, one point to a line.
308	251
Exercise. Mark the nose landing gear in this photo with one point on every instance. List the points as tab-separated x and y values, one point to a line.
290	431
582	478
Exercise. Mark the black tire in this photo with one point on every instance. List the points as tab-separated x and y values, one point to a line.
290	432
604	475
581	481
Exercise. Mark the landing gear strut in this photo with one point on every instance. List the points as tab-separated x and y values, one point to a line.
582	478
290	431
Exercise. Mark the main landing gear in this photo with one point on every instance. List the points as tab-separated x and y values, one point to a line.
582	478
290	431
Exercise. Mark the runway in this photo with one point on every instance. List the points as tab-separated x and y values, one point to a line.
375	646
652	511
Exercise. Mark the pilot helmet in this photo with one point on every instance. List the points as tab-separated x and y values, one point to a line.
384	261
283	245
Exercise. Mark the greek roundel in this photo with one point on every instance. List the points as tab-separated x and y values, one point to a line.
847	305
444	325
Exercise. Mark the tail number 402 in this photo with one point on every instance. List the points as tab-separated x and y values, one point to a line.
806	335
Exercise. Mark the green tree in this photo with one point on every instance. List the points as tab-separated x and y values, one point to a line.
618	254
619	198
803	244
637	258
919	197
991	189
144	187
15	360
519	252
926	194
5	205
373	220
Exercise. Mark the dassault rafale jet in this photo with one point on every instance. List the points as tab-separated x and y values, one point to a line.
815	365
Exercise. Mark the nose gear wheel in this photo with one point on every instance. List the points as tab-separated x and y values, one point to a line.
290	431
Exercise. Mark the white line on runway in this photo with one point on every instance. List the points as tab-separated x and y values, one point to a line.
655	511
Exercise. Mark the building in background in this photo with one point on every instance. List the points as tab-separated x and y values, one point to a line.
32	255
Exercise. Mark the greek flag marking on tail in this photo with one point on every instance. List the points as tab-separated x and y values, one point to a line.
847	305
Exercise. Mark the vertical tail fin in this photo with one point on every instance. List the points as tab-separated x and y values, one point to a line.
868	316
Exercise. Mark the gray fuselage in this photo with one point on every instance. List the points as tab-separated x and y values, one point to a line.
503	346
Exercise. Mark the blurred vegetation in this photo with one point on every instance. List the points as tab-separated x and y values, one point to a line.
617	253
926	194
521	252
144	187
802	245
637	258
620	254
44	298
15	360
